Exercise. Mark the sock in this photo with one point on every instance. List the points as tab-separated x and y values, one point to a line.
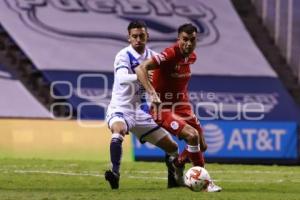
195	155
116	151
184	156
181	159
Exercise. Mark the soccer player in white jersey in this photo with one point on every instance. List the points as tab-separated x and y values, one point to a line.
128	109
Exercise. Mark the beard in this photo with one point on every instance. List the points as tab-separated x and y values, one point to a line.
140	48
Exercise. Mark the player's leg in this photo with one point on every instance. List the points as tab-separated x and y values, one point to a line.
179	127
168	145
212	187
172	176
171	154
148	131
192	150
193	127
118	130
190	153
159	137
194	122
118	127
175	125
189	134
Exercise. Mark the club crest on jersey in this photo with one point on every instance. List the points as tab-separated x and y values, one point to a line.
174	125
108	19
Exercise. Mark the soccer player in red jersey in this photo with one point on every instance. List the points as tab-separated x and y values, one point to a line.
169	93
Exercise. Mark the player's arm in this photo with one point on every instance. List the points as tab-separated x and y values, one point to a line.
124	77
122	68
142	75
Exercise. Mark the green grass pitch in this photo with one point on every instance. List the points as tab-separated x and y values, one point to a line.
34	179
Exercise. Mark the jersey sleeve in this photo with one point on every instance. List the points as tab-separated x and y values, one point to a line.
166	56
121	62
123	76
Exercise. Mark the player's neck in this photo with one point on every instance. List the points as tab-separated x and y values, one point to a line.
183	54
140	50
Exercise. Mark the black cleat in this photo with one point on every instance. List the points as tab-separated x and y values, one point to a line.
179	174
171	172
113	179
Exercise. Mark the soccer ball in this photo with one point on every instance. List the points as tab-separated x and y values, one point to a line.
197	179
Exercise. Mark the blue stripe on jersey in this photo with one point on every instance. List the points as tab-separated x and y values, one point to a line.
147	133
121	68
144	106
133	61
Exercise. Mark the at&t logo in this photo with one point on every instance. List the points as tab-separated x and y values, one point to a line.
214	138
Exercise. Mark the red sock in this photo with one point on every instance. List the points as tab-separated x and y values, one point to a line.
197	158
195	155
182	158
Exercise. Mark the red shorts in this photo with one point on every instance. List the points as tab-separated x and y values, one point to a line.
174	121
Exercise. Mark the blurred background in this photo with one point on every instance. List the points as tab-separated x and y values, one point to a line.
56	75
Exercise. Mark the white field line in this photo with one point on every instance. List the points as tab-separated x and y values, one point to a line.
144	177
224	172
52	173
164	172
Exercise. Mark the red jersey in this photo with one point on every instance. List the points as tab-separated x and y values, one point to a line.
170	81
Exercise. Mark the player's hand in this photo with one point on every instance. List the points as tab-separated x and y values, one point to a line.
155	99
155	106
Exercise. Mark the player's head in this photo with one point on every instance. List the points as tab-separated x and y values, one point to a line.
187	38
138	35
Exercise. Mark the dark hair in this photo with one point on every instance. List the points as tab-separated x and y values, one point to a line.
136	24
187	28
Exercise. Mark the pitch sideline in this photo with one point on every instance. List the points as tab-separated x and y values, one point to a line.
62	173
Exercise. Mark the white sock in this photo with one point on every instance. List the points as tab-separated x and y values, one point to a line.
193	149
117	136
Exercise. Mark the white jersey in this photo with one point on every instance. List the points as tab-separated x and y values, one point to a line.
128	96
129	101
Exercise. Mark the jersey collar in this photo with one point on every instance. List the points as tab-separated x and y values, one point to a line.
136	54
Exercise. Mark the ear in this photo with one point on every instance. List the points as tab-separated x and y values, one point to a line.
128	38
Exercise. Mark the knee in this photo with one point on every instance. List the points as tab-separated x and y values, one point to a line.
192	136
119	128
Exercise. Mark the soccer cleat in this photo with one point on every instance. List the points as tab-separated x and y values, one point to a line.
171	180
178	174
171	171
213	188
113	179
